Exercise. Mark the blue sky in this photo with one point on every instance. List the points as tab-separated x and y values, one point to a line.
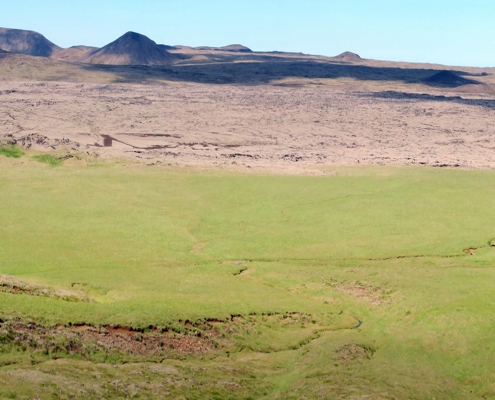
451	32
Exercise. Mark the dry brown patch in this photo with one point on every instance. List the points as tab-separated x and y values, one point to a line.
10	284
351	352
365	291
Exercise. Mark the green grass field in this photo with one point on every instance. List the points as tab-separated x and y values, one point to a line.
403	252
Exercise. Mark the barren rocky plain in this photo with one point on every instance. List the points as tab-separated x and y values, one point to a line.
244	226
285	113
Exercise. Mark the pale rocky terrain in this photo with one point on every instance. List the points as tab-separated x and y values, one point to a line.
285	123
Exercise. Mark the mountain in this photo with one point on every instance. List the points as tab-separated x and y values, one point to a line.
348	56
26	42
448	79
131	49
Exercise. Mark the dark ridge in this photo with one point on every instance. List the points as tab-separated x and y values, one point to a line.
26	42
449	79
131	49
428	97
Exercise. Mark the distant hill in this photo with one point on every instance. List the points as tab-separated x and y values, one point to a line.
26	42
448	79
167	47
131	49
74	53
348	56
237	48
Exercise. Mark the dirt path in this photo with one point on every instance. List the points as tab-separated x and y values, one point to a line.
197	246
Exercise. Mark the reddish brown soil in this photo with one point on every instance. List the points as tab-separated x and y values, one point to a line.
374	295
182	338
86	339
350	352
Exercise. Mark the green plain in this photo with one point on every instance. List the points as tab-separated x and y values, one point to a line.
154	245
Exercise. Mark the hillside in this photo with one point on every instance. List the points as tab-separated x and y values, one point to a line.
26	42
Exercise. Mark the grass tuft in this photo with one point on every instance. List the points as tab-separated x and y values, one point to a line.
48	159
11	151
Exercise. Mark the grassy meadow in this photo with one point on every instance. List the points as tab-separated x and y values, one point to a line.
388	271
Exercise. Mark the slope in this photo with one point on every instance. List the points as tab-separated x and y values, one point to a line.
26	42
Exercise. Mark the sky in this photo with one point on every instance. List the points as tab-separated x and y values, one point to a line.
455	32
